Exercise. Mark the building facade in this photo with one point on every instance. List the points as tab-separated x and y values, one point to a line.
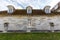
29	19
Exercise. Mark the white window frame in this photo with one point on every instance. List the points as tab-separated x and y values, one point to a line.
10	10
29	10
47	11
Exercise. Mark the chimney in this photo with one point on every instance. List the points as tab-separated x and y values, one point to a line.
29	9
47	9
11	9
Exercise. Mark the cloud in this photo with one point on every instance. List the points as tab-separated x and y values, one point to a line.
22	4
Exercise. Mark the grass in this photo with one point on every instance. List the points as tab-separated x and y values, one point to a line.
29	36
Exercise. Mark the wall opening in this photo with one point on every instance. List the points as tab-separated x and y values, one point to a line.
52	26
6	25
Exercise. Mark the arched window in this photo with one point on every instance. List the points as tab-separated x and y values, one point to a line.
29	10
47	9
10	9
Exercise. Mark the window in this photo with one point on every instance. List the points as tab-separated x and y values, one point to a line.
29	10
52	26
6	26
10	11
47	11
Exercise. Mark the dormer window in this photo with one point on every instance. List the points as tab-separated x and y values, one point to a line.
47	9
29	10
10	9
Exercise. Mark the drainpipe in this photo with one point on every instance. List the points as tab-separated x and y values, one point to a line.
29	25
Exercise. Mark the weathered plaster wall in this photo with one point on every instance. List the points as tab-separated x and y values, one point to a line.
22	23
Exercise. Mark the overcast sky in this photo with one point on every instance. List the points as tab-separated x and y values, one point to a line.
22	4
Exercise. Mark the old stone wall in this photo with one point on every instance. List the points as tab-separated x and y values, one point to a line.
37	22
